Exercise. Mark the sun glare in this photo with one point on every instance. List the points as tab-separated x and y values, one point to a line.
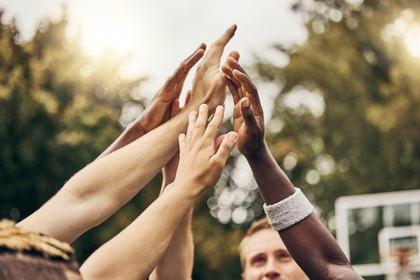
408	29
127	27
107	28
110	24
412	40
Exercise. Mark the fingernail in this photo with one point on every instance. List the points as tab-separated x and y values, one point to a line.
245	103
232	136
192	114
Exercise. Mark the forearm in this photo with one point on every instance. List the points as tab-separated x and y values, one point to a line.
177	262
273	183
101	188
325	259
308	235
139	247
130	134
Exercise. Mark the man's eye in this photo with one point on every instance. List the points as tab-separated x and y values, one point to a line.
258	261
285	257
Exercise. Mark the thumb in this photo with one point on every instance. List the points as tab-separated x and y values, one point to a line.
248	113
227	145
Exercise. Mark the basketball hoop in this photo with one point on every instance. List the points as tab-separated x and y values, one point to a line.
401	259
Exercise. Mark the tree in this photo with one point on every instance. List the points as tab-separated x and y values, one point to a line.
59	108
348	99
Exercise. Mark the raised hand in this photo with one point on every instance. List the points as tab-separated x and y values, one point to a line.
248	117
208	86
201	160
159	109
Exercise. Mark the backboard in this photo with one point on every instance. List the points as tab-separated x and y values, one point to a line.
370	227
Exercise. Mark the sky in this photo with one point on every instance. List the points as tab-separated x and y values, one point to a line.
160	34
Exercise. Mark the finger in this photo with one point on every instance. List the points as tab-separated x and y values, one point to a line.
218	141
181	142
216	49
192	117
250	88
215	123
227	71
200	124
233	64
175	109
188	97
195	57
248	114
232	88
176	78
180	74
226	147
235	55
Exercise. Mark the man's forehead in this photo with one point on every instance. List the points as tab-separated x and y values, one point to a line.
263	241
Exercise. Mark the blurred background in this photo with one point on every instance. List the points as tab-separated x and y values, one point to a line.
337	79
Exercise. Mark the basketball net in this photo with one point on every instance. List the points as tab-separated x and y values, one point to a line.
401	258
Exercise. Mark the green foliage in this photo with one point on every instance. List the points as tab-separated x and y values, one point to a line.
59	109
357	59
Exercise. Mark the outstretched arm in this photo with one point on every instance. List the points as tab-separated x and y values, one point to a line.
208	81
101	188
98	190
161	105
134	252
178	260
326	260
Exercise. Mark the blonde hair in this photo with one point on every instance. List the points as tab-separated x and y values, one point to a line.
21	240
255	227
26	254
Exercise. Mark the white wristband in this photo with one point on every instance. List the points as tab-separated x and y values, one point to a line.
288	211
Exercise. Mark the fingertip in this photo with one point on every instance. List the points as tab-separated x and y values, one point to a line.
233	136
201	51
231	59
192	115
245	102
234	27
238	75
235	55
203	107
225	69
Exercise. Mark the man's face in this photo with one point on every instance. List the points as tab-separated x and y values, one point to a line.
266	257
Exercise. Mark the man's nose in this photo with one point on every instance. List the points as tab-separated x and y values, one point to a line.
271	269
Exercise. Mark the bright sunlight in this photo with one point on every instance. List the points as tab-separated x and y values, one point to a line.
110	24
408	29
412	40
123	26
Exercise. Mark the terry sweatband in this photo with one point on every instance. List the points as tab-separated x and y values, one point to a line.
288	211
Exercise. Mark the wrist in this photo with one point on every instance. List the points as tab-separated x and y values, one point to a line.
259	153
134	130
188	190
